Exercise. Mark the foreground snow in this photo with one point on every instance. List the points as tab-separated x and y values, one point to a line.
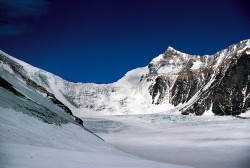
28	142
201	142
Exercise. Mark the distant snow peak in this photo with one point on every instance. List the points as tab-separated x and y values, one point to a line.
170	49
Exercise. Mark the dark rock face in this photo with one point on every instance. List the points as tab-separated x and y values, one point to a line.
230	97
188	84
6	85
227	92
160	87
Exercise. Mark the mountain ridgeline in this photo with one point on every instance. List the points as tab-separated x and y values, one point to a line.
173	81
218	82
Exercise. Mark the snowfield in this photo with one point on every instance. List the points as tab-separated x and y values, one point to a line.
196	141
166	140
27	142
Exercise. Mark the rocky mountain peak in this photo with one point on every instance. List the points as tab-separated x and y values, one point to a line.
171	51
192	84
201	83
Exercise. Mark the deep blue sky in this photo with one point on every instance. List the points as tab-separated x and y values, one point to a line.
100	40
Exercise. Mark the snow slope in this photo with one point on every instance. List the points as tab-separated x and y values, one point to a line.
28	142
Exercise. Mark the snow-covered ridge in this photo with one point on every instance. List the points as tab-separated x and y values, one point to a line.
173	61
135	92
116	98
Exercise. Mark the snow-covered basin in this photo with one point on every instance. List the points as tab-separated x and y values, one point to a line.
197	141
26	142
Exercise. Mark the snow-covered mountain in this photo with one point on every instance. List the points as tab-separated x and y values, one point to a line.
39	111
197	84
38	128
173	81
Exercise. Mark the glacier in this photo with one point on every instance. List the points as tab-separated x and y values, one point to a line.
180	109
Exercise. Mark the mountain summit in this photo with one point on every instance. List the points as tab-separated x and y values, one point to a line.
174	81
197	84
